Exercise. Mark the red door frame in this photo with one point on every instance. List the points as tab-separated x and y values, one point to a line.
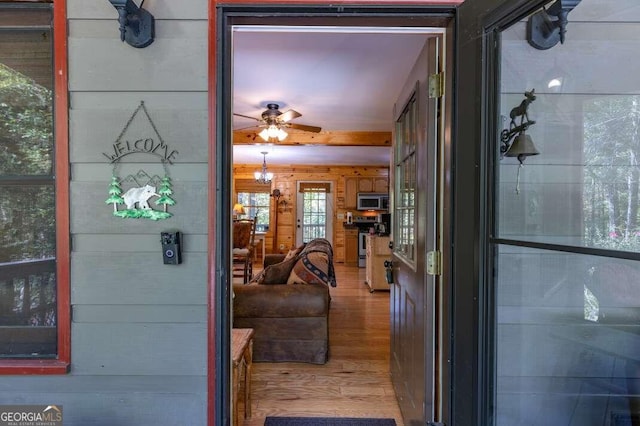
212	374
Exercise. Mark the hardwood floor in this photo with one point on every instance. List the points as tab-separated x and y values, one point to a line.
355	382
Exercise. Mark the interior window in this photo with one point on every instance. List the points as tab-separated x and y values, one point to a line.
255	200
256	204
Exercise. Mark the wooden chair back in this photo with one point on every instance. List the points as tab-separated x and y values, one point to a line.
243	233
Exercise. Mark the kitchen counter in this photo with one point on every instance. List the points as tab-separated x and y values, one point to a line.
377	252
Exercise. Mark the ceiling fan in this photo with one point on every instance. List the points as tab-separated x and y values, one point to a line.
275	121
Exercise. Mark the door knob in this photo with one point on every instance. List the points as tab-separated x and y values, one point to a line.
391	245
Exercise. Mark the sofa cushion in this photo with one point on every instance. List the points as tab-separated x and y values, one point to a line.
313	264
294	252
271	258
278	273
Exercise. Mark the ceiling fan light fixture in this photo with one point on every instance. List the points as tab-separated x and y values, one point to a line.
282	135
275	121
264	134
273	132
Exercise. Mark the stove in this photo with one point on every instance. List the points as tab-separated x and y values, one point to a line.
364	220
364	224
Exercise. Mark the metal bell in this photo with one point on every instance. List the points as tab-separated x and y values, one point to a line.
522	147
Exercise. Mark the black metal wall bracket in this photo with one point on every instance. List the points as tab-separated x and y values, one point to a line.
137	26
548	26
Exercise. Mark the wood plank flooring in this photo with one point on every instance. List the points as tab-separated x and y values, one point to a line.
355	382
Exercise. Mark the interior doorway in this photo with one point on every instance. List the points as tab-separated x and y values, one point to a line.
382	26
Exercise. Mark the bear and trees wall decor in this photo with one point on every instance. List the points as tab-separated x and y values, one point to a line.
142	187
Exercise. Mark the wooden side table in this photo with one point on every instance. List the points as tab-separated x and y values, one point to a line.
242	355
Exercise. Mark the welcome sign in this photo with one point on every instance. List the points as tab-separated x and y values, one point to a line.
141	187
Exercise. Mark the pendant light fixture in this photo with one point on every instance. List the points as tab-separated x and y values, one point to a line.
263	176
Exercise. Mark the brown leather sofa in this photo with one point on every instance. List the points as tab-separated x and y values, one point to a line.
291	321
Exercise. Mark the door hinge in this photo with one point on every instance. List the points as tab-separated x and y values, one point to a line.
436	85
434	262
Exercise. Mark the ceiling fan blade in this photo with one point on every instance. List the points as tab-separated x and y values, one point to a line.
304	127
246	116
249	127
288	116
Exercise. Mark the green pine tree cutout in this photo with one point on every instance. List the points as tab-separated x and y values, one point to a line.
115	192
165	193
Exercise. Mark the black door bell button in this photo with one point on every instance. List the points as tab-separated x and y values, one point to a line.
171	251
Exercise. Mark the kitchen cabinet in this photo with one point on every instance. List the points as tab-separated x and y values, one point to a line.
353	185
373	184
365	184
350	192
351	246
381	185
377	252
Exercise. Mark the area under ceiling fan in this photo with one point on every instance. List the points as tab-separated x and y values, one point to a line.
274	122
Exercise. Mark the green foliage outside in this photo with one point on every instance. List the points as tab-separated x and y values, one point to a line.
27	212
315	215
26	125
612	172
256	204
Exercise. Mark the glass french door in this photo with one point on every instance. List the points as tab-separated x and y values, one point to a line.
562	215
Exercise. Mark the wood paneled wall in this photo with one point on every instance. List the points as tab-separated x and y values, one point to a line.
285	178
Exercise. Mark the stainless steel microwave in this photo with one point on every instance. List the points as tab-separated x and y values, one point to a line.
373	201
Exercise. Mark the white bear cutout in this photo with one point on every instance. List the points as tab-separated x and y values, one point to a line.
139	196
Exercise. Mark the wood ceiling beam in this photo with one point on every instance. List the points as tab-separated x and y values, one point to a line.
338	138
